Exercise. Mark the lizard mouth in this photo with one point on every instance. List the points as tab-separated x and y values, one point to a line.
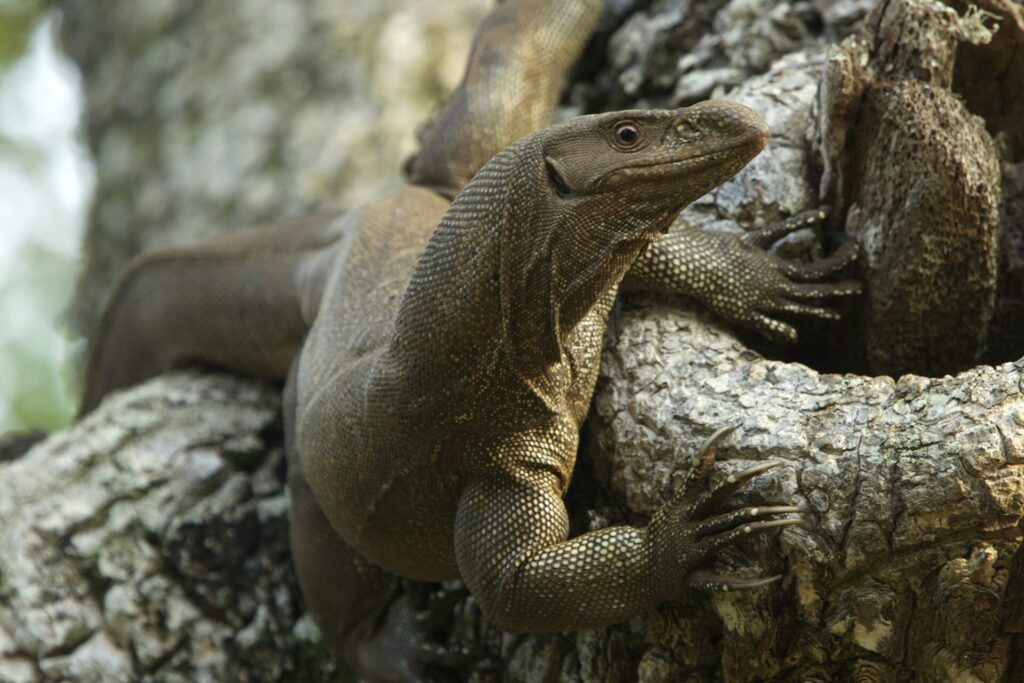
723	162
730	159
662	169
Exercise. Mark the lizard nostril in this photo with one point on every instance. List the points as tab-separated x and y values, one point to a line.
688	130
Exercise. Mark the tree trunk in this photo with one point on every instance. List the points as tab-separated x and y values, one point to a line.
149	540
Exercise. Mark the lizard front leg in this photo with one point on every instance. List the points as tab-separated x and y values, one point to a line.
737	278
513	550
236	302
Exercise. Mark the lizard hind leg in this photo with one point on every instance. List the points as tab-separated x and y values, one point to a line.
356	605
234	303
345	593
365	620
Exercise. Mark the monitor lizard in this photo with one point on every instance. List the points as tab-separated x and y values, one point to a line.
441	343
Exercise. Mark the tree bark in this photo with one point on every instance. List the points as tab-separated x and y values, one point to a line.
149	540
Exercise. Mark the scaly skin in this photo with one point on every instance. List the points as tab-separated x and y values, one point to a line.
442	357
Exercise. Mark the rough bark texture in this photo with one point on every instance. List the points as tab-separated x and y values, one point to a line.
916	177
1000	100
148	541
914	489
1008	319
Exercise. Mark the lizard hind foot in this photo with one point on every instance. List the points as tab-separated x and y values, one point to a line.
388	648
438	618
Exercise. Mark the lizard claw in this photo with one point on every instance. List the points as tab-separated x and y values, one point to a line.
801	291
736	518
731	485
769	235
775	330
707	581
688	530
783	306
846	254
709	447
725	538
437	617
706	455
460	658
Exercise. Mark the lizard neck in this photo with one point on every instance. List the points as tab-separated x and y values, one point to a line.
502	285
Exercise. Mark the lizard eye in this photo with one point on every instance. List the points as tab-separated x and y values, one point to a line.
626	134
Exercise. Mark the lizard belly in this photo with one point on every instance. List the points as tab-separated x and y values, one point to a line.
369	469
411	531
376	479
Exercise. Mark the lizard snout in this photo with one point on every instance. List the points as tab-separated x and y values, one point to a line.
728	120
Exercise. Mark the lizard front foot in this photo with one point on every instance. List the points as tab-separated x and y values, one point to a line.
738	278
688	531
789	287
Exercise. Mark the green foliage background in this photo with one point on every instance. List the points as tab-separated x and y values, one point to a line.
38	388
17	17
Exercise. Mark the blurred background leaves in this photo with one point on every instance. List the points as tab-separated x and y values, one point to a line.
45	183
17	17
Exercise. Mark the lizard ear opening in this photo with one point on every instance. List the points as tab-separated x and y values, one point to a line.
561	187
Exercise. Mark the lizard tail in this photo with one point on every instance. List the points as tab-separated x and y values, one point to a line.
521	54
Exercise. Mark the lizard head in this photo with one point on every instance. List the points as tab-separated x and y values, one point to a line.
646	166
596	190
617	181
